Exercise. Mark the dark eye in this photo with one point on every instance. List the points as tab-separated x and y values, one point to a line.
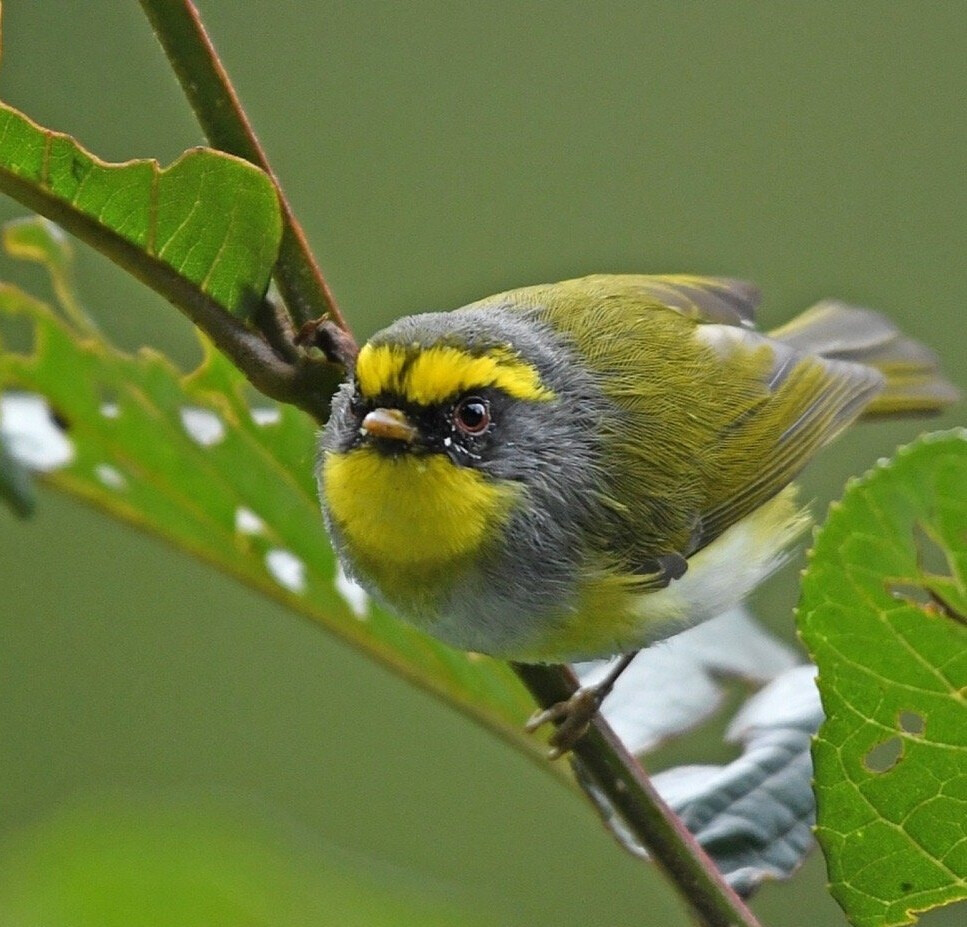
472	415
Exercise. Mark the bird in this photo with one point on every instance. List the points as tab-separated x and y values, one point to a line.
575	470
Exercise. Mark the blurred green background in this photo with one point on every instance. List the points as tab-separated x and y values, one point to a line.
437	152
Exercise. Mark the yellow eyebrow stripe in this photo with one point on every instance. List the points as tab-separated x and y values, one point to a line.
434	374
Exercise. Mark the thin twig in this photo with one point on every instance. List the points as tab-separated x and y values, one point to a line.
654	824
210	92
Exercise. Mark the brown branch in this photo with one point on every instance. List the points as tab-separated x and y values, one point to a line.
629	790
216	105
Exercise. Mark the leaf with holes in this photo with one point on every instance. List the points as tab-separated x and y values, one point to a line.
228	478
883	615
210	222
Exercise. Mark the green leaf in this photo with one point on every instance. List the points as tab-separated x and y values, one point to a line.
882	613
230	479
211	218
196	864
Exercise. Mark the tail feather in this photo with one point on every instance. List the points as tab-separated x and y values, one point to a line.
835	330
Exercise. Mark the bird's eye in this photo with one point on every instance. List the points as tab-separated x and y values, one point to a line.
471	415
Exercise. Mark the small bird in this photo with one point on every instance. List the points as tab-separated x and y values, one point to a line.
575	470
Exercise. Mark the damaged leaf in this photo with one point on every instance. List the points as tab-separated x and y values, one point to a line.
210	222
882	612
229	478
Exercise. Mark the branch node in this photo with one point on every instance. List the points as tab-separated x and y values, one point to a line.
332	342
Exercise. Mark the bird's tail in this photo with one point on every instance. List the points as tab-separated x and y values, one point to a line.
914	384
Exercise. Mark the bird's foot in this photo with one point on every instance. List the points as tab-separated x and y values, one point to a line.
573	717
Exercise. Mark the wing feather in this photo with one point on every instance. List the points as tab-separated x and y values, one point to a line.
713	418
812	402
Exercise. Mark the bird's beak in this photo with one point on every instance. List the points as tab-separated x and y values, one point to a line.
392	424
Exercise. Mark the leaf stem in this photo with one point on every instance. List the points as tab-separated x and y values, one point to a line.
654	824
211	95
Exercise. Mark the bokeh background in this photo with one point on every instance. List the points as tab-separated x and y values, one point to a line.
437	152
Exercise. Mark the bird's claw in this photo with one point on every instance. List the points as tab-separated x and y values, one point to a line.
573	717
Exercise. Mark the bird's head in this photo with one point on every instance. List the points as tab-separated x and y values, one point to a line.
440	433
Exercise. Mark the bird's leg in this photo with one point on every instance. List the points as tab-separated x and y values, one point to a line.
574	715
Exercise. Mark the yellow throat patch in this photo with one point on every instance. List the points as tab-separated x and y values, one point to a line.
412	521
428	375
414	513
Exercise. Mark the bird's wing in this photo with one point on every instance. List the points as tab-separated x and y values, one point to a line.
713	418
801	402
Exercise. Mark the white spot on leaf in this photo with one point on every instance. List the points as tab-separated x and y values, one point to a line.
354	595
266	415
286	569
202	425
30	433
247	522
110	476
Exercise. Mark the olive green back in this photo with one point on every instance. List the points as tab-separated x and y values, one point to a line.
712	418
